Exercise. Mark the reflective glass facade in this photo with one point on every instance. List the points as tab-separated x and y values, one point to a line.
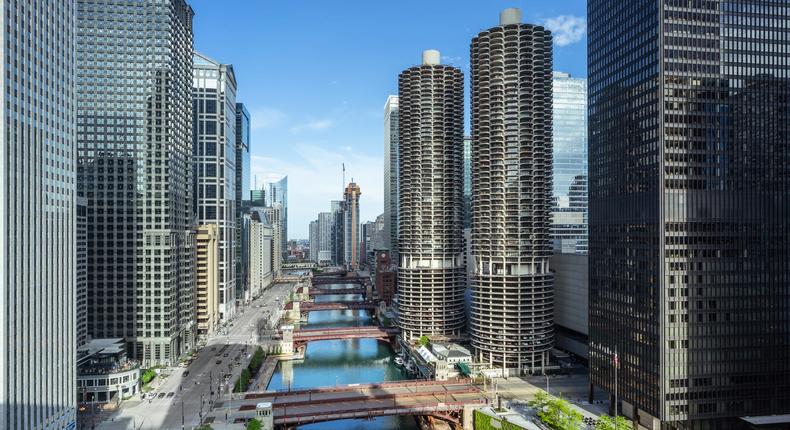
278	194
391	174
689	207
134	131
569	210
214	155
242	192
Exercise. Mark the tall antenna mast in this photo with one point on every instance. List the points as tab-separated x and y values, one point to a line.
344	176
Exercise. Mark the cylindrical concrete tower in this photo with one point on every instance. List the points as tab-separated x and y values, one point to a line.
430	238
512	295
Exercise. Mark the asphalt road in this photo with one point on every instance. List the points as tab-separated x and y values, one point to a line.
192	392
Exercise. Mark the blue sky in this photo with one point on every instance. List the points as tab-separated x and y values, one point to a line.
315	75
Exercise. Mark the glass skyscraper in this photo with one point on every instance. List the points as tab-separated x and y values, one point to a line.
243	146
278	194
134	131
391	161
690	208
569	209
38	246
214	155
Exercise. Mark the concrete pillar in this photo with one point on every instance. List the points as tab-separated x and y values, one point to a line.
468	416
287	344
264	414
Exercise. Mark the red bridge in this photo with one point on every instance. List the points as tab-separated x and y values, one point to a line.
301	337
305	307
341	291
323	280
444	400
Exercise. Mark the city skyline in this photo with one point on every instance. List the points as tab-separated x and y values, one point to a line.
322	106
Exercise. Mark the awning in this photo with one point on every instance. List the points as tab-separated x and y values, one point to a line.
463	368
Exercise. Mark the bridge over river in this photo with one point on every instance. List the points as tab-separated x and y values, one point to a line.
441	399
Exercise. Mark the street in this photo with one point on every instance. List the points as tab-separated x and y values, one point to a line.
195	391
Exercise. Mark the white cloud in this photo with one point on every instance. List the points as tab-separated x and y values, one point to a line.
315	178
566	29
321	124
267	117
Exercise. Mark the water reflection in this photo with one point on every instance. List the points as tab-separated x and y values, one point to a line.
351	361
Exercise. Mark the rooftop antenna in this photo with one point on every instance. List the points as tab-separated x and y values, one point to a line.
344	175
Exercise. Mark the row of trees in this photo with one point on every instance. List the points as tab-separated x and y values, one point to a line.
250	371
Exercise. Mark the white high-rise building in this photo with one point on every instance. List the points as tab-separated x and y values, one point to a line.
314	241
262	252
324	238
391	175
214	111
37	216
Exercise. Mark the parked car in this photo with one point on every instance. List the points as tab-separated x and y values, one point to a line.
219	361
161	395
171	394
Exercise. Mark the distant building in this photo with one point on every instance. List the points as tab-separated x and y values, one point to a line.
324	238
262	252
365	247
257	198
314	241
391	175
378	237
214	155
338	233
569	209
243	145
351	225
386	279
278	194
206	279
273	216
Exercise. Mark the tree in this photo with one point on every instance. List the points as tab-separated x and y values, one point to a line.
423	340
253	424
605	422
557	413
243	382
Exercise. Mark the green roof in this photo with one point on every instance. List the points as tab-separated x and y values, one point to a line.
463	368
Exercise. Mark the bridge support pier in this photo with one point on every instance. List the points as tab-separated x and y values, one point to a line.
468	416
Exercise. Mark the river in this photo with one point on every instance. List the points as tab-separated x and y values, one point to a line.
334	362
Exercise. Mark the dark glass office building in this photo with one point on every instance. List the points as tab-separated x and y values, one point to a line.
689	216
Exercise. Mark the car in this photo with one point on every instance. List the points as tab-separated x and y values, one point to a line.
219	361
225	354
185	374
171	394
161	395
